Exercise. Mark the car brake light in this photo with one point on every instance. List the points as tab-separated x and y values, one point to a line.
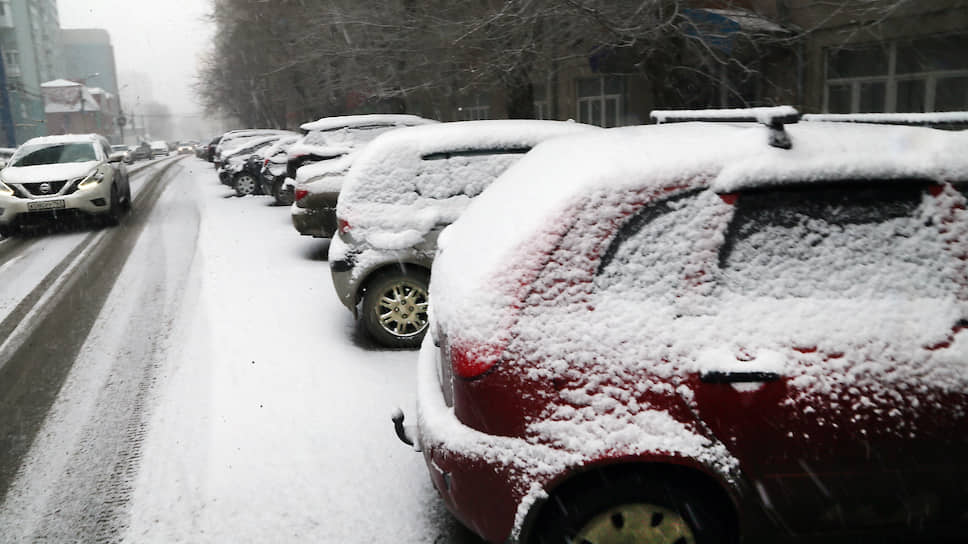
301	194
470	360
265	163
344	226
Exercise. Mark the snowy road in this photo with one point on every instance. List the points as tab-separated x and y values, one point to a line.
191	377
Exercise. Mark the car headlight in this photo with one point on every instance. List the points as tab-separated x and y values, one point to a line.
91	180
5	190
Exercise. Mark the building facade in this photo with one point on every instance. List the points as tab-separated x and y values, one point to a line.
89	57
29	41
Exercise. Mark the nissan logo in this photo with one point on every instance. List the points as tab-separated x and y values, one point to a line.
45	188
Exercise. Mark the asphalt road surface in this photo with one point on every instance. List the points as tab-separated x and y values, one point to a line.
53	326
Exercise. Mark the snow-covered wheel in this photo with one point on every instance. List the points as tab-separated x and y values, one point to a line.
633	509
395	307
245	184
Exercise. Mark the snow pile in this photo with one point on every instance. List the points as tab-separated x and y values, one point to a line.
370	120
410	181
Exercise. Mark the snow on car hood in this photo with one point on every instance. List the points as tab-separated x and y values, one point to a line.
414	179
48	172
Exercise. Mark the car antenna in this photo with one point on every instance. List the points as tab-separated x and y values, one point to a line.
776	118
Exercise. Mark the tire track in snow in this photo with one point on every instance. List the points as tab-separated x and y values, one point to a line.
32	376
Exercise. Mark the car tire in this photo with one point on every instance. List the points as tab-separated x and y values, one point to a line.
127	196
395	307
283	194
8	231
113	217
245	184
628	506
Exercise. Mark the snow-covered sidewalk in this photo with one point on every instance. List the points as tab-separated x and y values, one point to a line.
273	416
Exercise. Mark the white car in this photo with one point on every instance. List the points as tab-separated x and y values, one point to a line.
159	148
53	176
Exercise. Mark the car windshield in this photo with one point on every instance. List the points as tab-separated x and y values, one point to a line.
40	154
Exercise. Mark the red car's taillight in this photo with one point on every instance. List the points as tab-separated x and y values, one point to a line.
470	359
344	225
265	163
301	194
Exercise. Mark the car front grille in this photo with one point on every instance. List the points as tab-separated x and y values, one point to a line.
53	187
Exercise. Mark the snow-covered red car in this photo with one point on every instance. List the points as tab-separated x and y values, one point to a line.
706	332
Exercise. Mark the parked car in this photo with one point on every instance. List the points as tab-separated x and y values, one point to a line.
241	168
402	190
56	176
331	137
207	151
234	139
316	191
688	332
159	148
272	171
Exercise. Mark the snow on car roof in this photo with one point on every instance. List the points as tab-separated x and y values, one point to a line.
559	173
395	183
348	121
337	166
62	138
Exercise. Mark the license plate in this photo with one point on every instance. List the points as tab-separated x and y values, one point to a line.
45	205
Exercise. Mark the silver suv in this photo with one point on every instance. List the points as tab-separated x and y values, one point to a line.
54	176
401	191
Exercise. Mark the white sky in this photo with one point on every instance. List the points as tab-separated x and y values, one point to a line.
161	38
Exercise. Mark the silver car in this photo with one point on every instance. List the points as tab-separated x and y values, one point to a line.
401	191
54	176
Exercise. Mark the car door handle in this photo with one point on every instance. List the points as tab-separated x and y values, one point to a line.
719	376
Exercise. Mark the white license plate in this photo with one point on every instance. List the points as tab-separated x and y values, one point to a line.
45	205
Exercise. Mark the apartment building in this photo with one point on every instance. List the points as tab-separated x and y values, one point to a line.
29	47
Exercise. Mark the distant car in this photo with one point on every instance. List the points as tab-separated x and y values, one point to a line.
138	152
272	170
186	147
238	169
56	176
6	153
403	189
233	140
333	136
317	163
706	333
159	148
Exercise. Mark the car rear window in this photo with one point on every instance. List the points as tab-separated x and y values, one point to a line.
871	240
467	172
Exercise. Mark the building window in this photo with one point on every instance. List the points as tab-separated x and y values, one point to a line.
476	110
11	61
923	75
601	101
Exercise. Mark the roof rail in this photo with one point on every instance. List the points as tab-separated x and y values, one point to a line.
775	118
954	120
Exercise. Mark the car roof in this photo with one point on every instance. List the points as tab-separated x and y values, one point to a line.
63	138
351	121
558	173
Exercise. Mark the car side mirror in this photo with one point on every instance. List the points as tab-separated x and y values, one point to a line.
116	156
